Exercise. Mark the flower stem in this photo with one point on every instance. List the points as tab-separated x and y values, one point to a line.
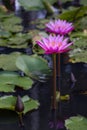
54	82
21	123
59	69
58	64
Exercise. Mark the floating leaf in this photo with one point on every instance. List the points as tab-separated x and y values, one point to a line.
49	8
81	24
19	40
8	81
81	56
15	23
3	42
82	1
76	123
8	102
29	104
74	14
34	4
4	34
79	48
33	66
7	62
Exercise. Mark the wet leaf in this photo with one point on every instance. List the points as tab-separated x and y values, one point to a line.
78	57
49	8
19	40
4	34
81	24
15	23
33	66
8	81
76	123
7	62
82	1
30	104
34	4
8	102
3	42
79	48
74	14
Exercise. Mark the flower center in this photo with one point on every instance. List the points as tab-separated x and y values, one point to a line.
59	44
53	43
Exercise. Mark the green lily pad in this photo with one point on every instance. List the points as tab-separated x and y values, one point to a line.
19	40
4	34
79	48
74	14
34	4
76	123
7	62
15	23
29	104
3	42
9	102
8	81
84	2
81	24
78	55
33	66
79	36
12	28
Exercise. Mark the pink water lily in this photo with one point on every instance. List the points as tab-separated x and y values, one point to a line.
54	44
61	27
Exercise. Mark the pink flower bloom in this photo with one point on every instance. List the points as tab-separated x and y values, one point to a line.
61	27
54	44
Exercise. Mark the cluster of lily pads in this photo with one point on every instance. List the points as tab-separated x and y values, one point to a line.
34	67
11	37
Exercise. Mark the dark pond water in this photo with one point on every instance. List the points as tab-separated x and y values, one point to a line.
44	118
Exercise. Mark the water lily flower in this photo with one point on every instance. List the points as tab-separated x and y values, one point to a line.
61	27
54	44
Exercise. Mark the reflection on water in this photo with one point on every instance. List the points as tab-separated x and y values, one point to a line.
44	118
